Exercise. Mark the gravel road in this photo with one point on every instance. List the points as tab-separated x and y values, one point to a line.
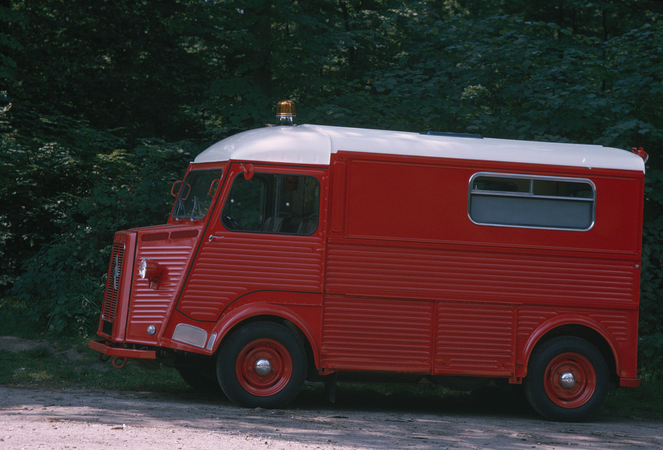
98	419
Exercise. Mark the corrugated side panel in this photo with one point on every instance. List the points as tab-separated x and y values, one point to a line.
475	338
374	270
478	295
150	306
240	262
388	335
529	319
622	326
616	323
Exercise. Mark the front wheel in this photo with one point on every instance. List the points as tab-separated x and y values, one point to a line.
567	379
263	364
199	373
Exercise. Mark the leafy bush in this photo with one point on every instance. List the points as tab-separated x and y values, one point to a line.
651	296
63	282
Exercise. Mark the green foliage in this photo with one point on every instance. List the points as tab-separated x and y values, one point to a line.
45	168
14	321
651	296
48	367
101	103
7	41
63	281
119	64
646	401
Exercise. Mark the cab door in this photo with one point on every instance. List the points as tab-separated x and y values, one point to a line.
266	237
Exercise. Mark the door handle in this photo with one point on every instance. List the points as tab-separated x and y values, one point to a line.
212	237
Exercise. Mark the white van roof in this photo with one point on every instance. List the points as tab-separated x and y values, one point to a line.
314	144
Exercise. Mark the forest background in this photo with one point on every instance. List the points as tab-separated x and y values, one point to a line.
104	103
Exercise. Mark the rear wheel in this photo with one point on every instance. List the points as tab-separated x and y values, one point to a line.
567	379
263	364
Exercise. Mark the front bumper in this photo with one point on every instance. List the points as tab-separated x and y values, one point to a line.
114	350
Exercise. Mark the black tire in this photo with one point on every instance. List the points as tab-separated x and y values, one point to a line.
199	373
584	392
282	356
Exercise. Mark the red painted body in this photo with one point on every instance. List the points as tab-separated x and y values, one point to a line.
396	278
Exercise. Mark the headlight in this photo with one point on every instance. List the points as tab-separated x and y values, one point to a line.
148	269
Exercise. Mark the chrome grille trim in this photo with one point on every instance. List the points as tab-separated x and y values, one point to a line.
113	282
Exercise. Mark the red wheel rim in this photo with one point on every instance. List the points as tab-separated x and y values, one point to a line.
280	367
584	377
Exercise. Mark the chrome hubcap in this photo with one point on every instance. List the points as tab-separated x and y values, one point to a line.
262	366
567	380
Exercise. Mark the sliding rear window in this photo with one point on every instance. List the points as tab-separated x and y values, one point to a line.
532	201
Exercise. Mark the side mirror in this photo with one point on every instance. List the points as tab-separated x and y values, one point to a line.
172	190
211	187
248	171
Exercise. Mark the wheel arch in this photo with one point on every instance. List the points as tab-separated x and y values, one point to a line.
264	312
582	328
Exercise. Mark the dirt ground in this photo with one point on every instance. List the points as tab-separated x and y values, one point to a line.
99	419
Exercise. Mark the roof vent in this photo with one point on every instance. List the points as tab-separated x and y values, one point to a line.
448	134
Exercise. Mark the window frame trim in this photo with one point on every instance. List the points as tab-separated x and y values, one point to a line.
273	233
531	195
212	201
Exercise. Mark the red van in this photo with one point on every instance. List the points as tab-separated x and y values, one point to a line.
302	252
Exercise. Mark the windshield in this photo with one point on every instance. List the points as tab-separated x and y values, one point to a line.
196	194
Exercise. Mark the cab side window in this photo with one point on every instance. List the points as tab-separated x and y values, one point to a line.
273	203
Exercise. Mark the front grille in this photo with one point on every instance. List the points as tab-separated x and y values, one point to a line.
113	283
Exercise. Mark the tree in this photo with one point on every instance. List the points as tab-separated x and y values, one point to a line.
119	65
101	90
